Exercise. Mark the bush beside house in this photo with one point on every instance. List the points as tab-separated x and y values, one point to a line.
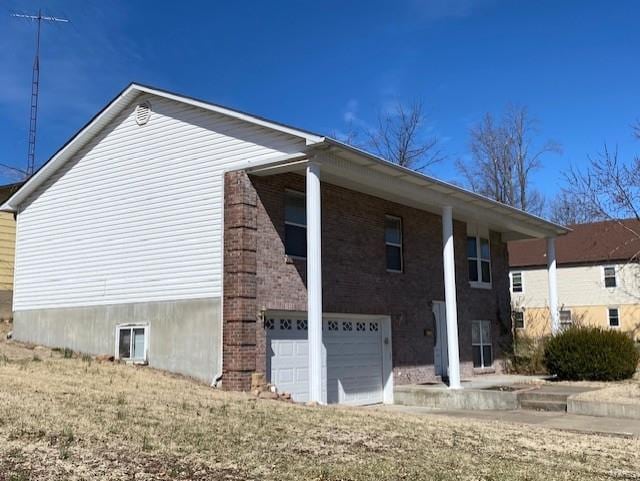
591	354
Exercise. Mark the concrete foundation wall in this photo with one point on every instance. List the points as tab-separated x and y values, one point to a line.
184	336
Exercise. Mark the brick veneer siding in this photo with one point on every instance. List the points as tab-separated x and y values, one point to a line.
354	275
240	308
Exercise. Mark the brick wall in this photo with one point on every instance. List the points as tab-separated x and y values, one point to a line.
355	279
239	304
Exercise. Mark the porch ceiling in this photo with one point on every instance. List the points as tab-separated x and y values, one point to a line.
357	170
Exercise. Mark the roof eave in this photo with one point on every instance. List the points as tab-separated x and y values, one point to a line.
84	134
544	227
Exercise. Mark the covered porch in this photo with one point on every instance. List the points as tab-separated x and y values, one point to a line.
358	171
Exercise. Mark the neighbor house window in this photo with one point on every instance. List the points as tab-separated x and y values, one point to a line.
481	343
566	320
518	319
132	342
295	224
610	277
479	259
393	243
516	282
614	317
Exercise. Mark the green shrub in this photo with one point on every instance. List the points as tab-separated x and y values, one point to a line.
591	354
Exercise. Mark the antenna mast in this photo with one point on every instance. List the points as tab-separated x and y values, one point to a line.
35	87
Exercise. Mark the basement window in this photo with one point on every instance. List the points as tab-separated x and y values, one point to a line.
481	344
132	342
393	243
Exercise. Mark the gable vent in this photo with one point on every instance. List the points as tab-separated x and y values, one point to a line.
143	112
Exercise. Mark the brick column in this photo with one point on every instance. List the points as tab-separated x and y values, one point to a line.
240	309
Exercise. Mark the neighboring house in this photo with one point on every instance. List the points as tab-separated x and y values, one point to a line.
187	235
7	252
598	277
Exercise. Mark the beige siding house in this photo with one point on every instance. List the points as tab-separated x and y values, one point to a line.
598	279
7	253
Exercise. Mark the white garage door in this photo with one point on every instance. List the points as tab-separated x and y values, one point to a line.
352	368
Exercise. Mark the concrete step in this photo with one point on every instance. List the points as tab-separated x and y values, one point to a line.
543	405
536	395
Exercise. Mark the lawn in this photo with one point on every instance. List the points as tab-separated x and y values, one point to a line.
75	418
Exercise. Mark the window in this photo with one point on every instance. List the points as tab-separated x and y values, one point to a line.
516	282
518	319
479	259
566	321
609	277
481	343
393	243
614	318
295	224
131	342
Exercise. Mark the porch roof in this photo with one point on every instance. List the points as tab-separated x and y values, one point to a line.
355	169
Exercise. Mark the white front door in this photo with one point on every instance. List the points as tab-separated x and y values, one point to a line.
352	368
440	352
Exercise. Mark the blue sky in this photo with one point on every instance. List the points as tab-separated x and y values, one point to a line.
318	64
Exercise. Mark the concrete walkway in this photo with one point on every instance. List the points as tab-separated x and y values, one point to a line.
628	428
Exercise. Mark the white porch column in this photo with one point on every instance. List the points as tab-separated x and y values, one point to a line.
314	283
450	297
553	284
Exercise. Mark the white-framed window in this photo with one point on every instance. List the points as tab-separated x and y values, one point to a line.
614	317
518	319
393	243
481	344
566	320
295	224
609	276
516	282
479	260
132	342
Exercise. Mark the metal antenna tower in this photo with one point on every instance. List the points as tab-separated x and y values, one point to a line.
35	87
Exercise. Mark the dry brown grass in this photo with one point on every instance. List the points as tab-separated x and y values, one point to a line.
627	392
71	419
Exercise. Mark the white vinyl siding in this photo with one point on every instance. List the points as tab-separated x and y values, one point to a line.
136	215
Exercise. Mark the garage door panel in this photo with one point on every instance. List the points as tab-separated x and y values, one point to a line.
352	359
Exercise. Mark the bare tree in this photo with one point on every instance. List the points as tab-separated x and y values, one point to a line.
503	157
567	209
400	137
609	188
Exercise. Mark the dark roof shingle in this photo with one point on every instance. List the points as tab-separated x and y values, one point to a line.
587	243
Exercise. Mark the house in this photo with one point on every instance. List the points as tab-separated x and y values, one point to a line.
7	253
598	277
214	243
